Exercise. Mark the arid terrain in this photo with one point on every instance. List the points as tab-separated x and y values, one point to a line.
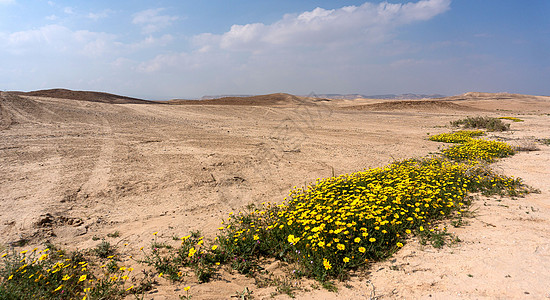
75	167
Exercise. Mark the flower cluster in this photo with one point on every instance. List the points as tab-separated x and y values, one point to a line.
48	274
340	223
365	215
456	137
478	150
511	118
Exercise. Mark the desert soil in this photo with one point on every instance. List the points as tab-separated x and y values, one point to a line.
72	171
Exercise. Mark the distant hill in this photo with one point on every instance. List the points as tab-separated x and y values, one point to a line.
490	96
416	105
259	100
408	96
209	97
86	96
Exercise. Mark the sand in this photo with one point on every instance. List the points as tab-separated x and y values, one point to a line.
72	171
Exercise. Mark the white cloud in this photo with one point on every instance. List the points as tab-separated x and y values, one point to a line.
319	35
152	41
152	21
319	27
7	1
305	46
163	60
68	10
58	39
101	15
51	18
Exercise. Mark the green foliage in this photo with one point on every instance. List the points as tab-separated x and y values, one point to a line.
435	236
489	123
114	234
104	249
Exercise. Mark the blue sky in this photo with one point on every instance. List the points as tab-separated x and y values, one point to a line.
187	49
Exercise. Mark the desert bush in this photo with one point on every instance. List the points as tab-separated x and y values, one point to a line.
489	123
104	249
526	144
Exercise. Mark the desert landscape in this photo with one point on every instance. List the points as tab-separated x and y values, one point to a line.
78	167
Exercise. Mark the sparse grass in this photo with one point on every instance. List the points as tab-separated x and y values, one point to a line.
489	123
283	284
114	234
104	249
246	294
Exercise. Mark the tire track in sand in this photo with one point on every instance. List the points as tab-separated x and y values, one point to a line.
100	175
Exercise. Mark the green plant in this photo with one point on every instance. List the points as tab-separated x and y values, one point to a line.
329	286
104	249
186	296
114	234
489	123
246	294
435	236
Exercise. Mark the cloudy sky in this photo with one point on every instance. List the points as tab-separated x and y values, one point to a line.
186	49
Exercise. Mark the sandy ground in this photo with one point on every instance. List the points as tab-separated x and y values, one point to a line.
73	170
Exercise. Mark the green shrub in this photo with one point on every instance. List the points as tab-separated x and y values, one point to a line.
489	123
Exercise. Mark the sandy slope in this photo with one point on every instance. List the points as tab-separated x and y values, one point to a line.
71	170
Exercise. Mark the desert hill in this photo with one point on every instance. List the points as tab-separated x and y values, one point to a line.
85	96
422	105
407	96
259	100
487	96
